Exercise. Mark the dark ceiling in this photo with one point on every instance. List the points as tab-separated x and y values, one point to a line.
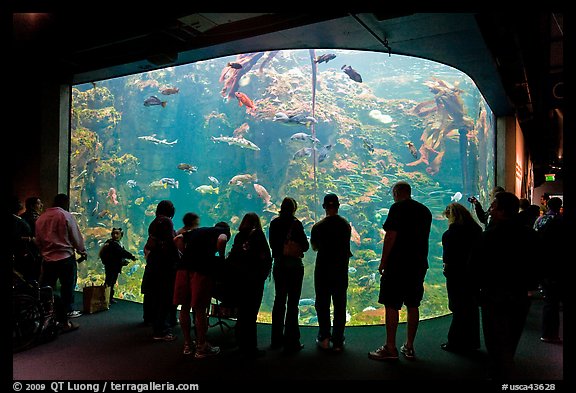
515	59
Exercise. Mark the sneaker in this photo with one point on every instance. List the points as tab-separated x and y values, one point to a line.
407	352
205	351
165	337
323	344
383	353
338	347
187	349
74	314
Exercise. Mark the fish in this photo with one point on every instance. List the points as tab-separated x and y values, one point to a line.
294	120
324	153
368	145
456	197
236	66
187	167
168	181
262	193
152	138
352	73
412	149
243	99
241	142
239	180
170	90
214	180
138	201
304	152
300	136
131	183
153	100
241	131
325	58
207	189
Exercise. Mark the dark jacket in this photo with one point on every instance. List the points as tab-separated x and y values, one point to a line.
278	231
114	256
250	256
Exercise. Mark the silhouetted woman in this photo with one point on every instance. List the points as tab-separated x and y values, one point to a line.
252	262
462	235
288	273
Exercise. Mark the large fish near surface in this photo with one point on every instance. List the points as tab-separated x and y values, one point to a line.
325	58
153	100
242	142
351	72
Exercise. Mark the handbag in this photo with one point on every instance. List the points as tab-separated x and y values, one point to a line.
292	248
96	298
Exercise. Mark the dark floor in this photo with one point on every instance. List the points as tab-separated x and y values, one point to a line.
114	345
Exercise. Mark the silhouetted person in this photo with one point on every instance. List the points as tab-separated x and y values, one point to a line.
252	262
182	285
504	267
403	266
553	235
160	272
330	237
34	208
288	273
204	253
544	198
114	257
462	235
484	215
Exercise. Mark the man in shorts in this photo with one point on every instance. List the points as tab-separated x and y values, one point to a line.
203	248
403	268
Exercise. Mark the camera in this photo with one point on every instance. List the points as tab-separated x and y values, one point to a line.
82	258
472	199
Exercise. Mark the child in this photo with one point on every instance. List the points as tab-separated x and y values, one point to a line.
113	256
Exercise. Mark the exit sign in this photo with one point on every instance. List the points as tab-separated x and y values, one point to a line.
550	177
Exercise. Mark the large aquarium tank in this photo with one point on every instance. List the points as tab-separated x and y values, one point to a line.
237	134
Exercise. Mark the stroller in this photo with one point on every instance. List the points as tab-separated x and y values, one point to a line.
33	313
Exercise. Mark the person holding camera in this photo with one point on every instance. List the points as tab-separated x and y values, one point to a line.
114	256
484	215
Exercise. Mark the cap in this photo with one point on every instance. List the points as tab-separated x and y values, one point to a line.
331	200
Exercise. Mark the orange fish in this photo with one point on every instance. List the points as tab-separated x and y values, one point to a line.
243	99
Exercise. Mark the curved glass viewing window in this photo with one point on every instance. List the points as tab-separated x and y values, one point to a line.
231	135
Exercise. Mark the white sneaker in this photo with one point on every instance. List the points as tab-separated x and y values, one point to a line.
74	314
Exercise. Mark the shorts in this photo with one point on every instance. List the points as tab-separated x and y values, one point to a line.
396	290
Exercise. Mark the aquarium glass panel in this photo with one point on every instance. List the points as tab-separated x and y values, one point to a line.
236	134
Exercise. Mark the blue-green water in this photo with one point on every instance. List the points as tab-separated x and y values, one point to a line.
409	119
